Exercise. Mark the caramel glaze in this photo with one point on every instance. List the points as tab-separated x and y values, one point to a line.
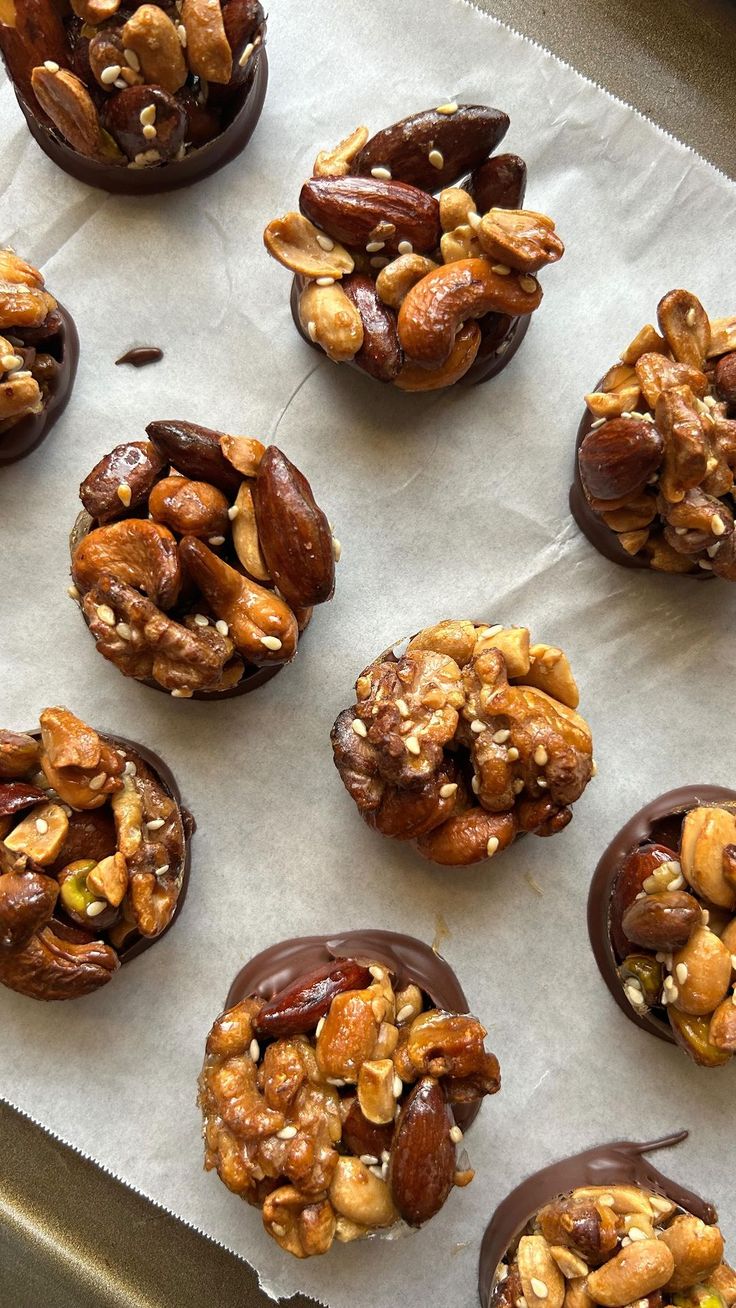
137	944
409	959
121	180
141	355
659	822
620	1163
23	437
600	536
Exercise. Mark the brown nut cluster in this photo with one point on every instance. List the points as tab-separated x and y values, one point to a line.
672	927
199	558
133	85
463	738
94	854
330	1106
657	453
30	345
615	1245
413	258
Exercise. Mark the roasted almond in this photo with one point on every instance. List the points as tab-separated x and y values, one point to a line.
196	452
297	1008
663	921
380	355
499	183
422	1167
293	531
617	459
432	150
121	481
349	209
31	32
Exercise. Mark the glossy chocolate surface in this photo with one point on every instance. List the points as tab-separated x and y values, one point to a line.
171	176
141	355
622	1162
409	959
24	436
659	822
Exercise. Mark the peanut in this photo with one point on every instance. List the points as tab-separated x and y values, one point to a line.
634	1273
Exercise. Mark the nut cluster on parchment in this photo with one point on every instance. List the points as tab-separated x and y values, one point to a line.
614	1246
657	463
199	558
330	1107
400	271
30	325
463	738
132	85
92	856
673	930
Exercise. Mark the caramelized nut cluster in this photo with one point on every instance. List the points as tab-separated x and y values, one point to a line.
133	85
92	856
402	268
30	327
199	558
463	738
657	464
673	931
614	1246
330	1106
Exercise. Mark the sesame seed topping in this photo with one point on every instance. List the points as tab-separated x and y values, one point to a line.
456	1134
449	108
233	512
130	769
271	642
105	614
377	972
217	540
359	727
72	592
404	1013
541	756
97	782
707	567
542	783
405	247
436	158
502	269
517	786
512	754
475	785
147	115
124	631
398	1086
286	1133
109	74
51	66
162	870
312	329
124	494
636	1234
325	242
336	549
222	627
381	174
42	826
593	768
690	317
132	60
528	284
539	1287
325	281
717	525
477	727
607	1200
181	694
681	973
599	422
368	1160
474	220
94	909
492	846
245	56
9	362
487	632
320	1024
412	745
447	791
705	916
500	737
254	1050
149	131
334	1080
155	824
201	620
374	246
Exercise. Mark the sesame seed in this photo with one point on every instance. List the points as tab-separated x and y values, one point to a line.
599	422
492	846
9	362
398	1086
132	60
72	592
607	1200
456	1134
233	512
475	785
405	247
477	727
124	494
286	1133
147	115
336	549
385	1156
155	824
717	525
51	66
325	281
449	108
368	1160
528	284
487	632
201	620
124	631
676	884
181	694
130	769
681	972
624	1245
325	242
312	330
539	1287
512	754
636	1234
335	1080
733	961
593	768
374	246
436	158
707	567
110	74
222	627
412	745
502	269
97	782
106	615
404	1013
690	317
541	756
254	1050
217	540
359	728
500	737
278	1230
517	786
320	1024
271	642
381	174
474	220
447	791
378	973
42	826
149	131
162	870
98	906
705	915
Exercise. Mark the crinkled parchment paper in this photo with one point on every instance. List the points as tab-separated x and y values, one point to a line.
454	504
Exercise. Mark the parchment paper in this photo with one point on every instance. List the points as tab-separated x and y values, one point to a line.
452	505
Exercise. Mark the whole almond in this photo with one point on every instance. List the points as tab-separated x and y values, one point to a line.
293	531
27	901
617	459
422	1166
297	1008
707	973
349	209
36	35
499	183
663	921
196	452
380	355
133	466
432	150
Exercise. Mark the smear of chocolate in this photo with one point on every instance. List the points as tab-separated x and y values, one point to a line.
659	822
198	164
24	436
141	355
409	959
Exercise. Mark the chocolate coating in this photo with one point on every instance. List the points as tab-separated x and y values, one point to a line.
141	355
24	436
600	536
659	822
620	1163
171	176
136	943
409	959
483	369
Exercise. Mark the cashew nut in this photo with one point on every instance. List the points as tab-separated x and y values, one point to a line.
442	301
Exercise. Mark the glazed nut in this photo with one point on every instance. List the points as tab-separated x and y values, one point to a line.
148	123
67	102
208	50
684	324
23	300
375	1090
137	552
348	1036
617	459
415	377
706	834
432	149
705	965
27	900
722	1029
331	320
294	534
422	1167
261	626
95	11
108	879
513	642
624	1200
245	536
722	336
550	671
191	508
409	1004
394	282
350	209
105	51
455	639
646	341
336	162
40	835
662	921
244	452
127	808
195	452
152	36
301	1226
461	243
360	1196
52	968
19	395
18	754
297	1008
380	354
568	1262
697	1249
541	1279
127	473
300	246
632	1274
519	238
723	1281
455	205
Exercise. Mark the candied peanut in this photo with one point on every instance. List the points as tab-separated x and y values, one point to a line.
541	1279
697	1250
455	205
331	320
632	1274
336	162
348	1036
303	248
360	1196
375	1090
394	282
40	835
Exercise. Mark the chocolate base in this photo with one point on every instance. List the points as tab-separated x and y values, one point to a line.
483	369
600	536
410	960
620	1163
200	163
24	436
137	944
659	822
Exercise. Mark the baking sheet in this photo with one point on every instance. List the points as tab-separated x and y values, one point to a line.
446	505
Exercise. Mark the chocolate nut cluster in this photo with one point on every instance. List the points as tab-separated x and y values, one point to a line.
199	558
657	450
615	1245
462	738
37	342
673	932
94	855
331	1107
133	86
413	258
